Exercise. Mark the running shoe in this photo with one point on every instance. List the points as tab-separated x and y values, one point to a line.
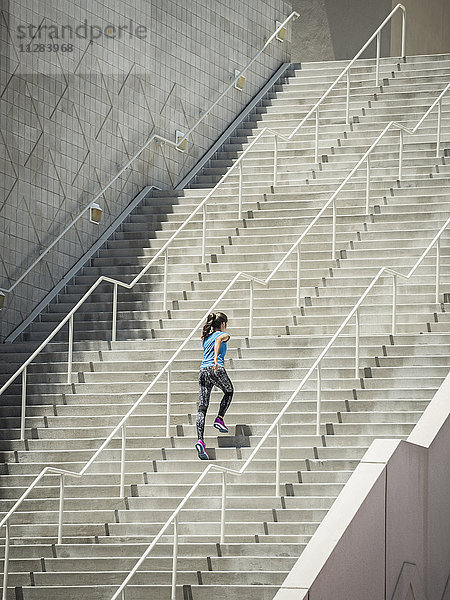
220	425
201	450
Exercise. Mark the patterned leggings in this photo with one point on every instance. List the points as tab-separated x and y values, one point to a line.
207	379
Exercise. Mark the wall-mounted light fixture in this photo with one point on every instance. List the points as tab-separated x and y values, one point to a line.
281	35
240	81
95	213
2	300
181	145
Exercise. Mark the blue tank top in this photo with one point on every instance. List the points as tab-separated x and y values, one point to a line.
208	350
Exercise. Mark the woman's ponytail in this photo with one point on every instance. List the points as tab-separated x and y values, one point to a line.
213	323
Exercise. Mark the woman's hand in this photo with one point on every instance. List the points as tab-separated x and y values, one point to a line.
215	366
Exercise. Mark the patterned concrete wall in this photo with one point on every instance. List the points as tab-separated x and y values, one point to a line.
70	119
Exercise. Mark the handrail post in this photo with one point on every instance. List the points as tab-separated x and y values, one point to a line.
240	191
333	243
278	461
357	331
24	404
404	34
166	270
400	155
61	506
6	561
169	399
316	141
394	304
298	289
223	507
347	100
275	159
122	461
114	314
368	185
204	234
250	315
70	356
438	133
318	398
377	69
438	268
174	559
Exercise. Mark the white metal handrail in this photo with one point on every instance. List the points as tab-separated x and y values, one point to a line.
377	34
69	318
346	71
163	251
314	111
173	519
121	426
154	137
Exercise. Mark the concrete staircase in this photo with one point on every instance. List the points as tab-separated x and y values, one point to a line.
104	534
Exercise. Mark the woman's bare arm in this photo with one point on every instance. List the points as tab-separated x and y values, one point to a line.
219	339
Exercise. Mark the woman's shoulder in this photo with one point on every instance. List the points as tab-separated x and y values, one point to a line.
217	334
212	336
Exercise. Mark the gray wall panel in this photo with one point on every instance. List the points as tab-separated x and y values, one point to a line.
70	121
